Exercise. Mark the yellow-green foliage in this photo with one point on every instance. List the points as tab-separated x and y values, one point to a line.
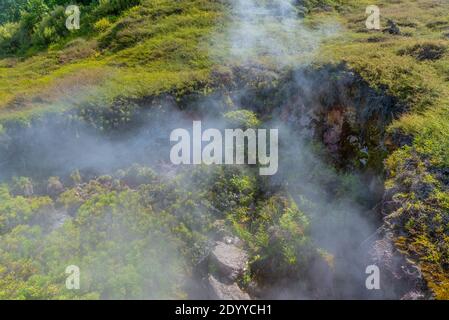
278	235
102	25
242	119
412	67
164	46
423	215
135	235
392	62
20	210
120	238
153	48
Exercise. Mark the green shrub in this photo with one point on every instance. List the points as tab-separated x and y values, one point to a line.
102	25
281	242
22	186
20	37
10	10
242	119
34	11
19	210
7	32
52	28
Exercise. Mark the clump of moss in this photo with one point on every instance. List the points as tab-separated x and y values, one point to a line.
419	216
242	119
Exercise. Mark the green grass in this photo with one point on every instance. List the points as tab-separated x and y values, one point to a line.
153	48
395	63
164	46
423	85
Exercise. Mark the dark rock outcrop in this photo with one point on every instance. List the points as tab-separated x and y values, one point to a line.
400	276
392	28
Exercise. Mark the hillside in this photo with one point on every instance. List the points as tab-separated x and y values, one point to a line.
85	121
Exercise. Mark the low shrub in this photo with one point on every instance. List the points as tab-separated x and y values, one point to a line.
52	28
102	25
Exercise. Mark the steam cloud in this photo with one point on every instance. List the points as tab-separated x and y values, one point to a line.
259	30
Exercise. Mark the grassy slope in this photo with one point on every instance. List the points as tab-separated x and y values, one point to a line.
152	48
420	218
160	47
423	85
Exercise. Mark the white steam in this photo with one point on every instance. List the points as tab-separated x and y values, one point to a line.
272	31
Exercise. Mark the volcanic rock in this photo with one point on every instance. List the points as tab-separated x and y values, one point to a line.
230	260
224	291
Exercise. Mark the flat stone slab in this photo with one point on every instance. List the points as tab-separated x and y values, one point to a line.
230	260
222	291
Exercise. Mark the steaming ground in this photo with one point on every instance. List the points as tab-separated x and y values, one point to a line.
268	30
271	31
339	223
58	146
